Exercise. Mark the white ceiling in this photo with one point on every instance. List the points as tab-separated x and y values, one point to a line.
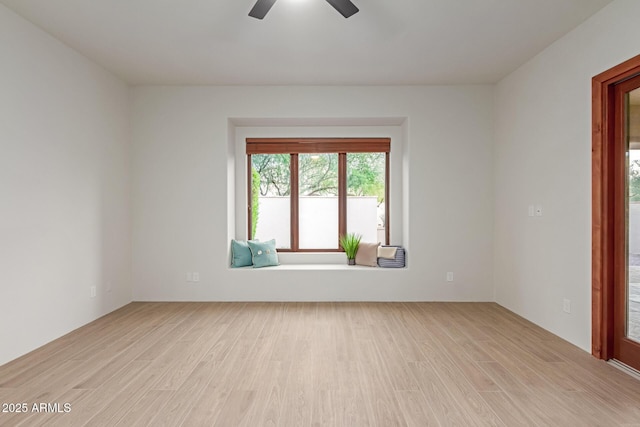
307	41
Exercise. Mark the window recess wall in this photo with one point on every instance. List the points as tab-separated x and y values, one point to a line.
395	129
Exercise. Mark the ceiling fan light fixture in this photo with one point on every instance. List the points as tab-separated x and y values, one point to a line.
345	7
260	9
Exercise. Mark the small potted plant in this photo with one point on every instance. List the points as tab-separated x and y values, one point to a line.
350	243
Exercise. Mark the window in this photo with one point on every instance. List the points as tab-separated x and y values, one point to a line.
305	193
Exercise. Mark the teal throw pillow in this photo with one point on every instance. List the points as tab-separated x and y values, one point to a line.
263	253
240	254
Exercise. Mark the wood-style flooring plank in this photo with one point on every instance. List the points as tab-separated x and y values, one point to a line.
416	409
316	364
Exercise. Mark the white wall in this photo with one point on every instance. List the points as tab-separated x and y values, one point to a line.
543	156
184	191
64	186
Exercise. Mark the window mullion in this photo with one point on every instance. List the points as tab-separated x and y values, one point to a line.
342	194
387	202
295	242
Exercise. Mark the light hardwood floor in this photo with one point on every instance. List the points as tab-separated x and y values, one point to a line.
308	364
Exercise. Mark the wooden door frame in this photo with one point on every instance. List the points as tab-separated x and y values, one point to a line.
602	219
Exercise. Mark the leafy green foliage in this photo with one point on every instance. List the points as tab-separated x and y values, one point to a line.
274	172
634	181
365	175
318	174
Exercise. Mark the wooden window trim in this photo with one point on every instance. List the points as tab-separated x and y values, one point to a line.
295	146
387	199
603	182
294	198
317	145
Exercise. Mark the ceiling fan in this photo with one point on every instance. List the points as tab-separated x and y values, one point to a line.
345	7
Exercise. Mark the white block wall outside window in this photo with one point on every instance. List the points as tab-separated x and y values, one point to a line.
273	221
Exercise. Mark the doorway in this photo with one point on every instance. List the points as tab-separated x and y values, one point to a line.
616	214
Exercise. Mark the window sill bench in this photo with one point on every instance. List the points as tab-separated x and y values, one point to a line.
318	267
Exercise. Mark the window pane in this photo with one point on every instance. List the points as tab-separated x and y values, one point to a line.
365	195
271	218
318	201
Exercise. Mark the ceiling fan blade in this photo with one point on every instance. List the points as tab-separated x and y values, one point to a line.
345	7
261	8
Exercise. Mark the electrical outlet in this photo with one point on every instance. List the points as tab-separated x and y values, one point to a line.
196	276
566	306
92	292
450	276
539	210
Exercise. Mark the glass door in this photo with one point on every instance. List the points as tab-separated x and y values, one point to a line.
633	215
627	234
